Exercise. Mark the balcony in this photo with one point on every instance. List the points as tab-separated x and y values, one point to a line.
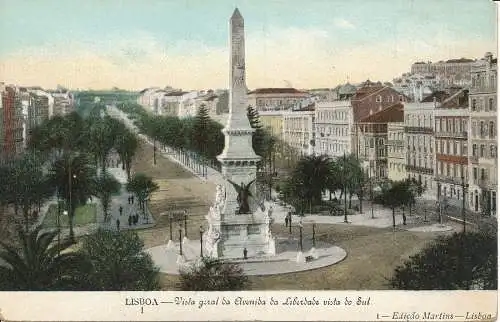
420	170
473	159
448	179
419	130
482	89
455	135
396	142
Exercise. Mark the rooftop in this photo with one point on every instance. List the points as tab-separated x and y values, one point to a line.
276	90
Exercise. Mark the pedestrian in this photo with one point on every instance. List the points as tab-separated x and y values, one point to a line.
136	217
129	220
128	200
132	198
286	220
118	224
120	210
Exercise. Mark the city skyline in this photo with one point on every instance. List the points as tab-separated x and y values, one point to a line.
184	44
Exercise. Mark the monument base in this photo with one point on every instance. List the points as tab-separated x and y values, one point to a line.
300	258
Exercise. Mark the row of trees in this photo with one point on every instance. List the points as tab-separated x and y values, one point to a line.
201	134
67	157
315	175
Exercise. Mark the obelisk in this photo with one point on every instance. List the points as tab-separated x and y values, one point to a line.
231	231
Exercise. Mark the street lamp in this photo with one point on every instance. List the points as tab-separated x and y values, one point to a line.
180	240
185	224
201	241
290	223
170	225
314	235
300	236
345	194
464	187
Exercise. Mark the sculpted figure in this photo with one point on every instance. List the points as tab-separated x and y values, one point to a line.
243	194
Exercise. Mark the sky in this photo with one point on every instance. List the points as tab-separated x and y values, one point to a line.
134	44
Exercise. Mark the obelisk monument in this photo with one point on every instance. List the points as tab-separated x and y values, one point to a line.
239	225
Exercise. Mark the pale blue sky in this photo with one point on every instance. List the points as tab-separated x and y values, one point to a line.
133	35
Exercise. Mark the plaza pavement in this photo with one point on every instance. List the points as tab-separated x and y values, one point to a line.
383	216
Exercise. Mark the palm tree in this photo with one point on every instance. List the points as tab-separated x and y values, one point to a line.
106	186
312	172
75	181
213	275
40	265
142	186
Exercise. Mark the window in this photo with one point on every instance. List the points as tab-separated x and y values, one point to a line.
448	170
482	151
474	129
492	129
455	148
379	99
474	150
474	174
481	129
400	98
483	174
464	125
490	104
493	151
464	149
474	105
448	148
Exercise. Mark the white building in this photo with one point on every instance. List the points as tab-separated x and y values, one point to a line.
334	128
298	131
419	141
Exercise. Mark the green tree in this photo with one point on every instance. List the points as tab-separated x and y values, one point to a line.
201	137
310	180
142	186
102	139
451	263
126	144
40	264
260	139
397	194
119	262
74	178
106	187
26	186
213	275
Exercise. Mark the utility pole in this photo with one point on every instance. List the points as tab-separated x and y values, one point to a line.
464	186
345	193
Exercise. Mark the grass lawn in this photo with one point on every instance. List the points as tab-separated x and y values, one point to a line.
83	215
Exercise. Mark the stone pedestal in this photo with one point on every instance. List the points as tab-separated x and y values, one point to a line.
313	253
170	244
300	258
181	260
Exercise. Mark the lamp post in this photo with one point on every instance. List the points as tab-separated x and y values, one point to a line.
154	150
170	225
201	241
290	224
464	186
300	236
345	194
371	194
180	240
185	224
314	235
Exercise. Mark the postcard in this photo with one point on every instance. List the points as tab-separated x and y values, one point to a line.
248	160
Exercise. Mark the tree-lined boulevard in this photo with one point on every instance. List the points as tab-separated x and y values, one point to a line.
70	159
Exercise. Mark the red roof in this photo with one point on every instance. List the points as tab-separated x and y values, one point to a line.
366	91
286	90
393	113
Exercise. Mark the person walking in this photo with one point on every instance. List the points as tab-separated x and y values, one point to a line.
129	220
120	210
132	198
286	220
118	224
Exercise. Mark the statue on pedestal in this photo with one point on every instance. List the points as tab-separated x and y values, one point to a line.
244	193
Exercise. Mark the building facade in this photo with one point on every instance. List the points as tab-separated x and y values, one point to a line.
483	158
419	137
264	99
450	72
298	131
450	136
12	122
396	156
334	128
